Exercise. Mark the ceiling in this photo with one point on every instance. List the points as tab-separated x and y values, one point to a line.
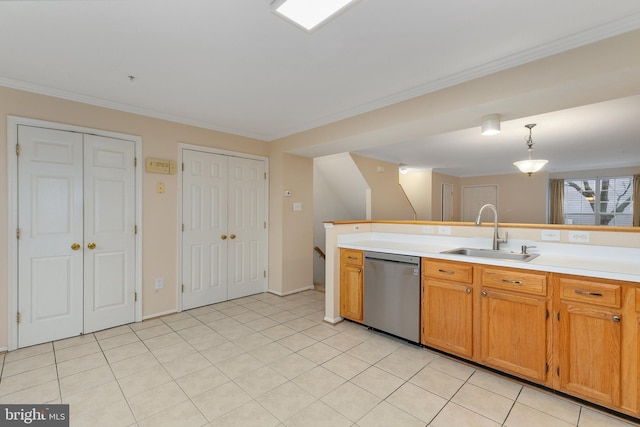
605	135
234	66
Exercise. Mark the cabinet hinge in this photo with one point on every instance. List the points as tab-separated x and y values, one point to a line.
135	162
17	149
558	371
546	367
18	317
18	233
182	290
558	316
183	167
135	229
265	176
547	314
264	273
265	225
135	296
182	227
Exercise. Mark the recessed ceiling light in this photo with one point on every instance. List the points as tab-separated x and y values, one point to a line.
309	13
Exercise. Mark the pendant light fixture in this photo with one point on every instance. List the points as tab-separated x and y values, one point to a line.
530	166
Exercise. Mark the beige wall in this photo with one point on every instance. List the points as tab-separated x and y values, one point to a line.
387	199
297	230
160	139
521	198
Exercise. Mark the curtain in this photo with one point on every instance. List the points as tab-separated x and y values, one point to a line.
636	200
556	214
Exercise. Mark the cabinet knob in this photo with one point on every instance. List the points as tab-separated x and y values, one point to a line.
483	293
91	245
223	237
359	270
468	290
616	318
75	246
233	236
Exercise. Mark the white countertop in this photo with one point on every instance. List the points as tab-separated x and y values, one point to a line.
606	262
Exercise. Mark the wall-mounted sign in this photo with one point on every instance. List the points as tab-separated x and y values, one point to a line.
166	167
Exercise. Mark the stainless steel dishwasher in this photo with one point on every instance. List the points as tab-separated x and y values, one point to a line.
392	294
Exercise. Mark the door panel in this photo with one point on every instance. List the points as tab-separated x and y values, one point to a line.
109	219
204	239
50	222
246	222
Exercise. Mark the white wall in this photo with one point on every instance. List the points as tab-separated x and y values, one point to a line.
339	193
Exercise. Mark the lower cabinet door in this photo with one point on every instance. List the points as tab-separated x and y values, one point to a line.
447	316
590	350
514	334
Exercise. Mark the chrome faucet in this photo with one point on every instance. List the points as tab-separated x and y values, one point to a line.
496	238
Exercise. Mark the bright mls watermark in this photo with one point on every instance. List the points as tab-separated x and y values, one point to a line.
34	415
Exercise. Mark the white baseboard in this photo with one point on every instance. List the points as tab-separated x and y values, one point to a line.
334	320
295	291
4	349
154	315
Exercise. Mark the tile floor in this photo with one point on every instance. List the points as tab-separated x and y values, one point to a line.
268	361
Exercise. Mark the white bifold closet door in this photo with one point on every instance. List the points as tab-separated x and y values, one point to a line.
76	251
224	241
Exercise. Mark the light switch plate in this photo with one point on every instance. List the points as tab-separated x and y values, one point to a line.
297	206
446	230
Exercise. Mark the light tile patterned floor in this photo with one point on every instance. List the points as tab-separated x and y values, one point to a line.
268	361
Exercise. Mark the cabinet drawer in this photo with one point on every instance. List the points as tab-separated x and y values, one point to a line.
352	256
591	292
455	271
515	280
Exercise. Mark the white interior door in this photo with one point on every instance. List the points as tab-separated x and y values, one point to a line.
474	197
74	191
247	227
109	232
50	256
204	238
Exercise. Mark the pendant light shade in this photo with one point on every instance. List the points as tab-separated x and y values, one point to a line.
490	124
530	165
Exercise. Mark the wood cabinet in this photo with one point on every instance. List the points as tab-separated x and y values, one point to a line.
514	327
447	306
351	284
589	347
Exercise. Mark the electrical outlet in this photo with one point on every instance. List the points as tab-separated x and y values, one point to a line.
428	229
553	235
159	283
579	236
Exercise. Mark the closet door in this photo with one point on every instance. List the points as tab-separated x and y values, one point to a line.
109	232
204	238
247	227
50	255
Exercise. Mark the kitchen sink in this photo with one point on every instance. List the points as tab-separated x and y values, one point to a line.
489	253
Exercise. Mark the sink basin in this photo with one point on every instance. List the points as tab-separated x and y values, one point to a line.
488	253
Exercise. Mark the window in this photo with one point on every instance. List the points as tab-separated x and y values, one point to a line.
599	201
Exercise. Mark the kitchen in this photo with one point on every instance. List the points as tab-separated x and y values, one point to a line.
290	237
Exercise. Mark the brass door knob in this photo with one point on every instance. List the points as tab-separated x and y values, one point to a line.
75	246
223	237
233	236
91	245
